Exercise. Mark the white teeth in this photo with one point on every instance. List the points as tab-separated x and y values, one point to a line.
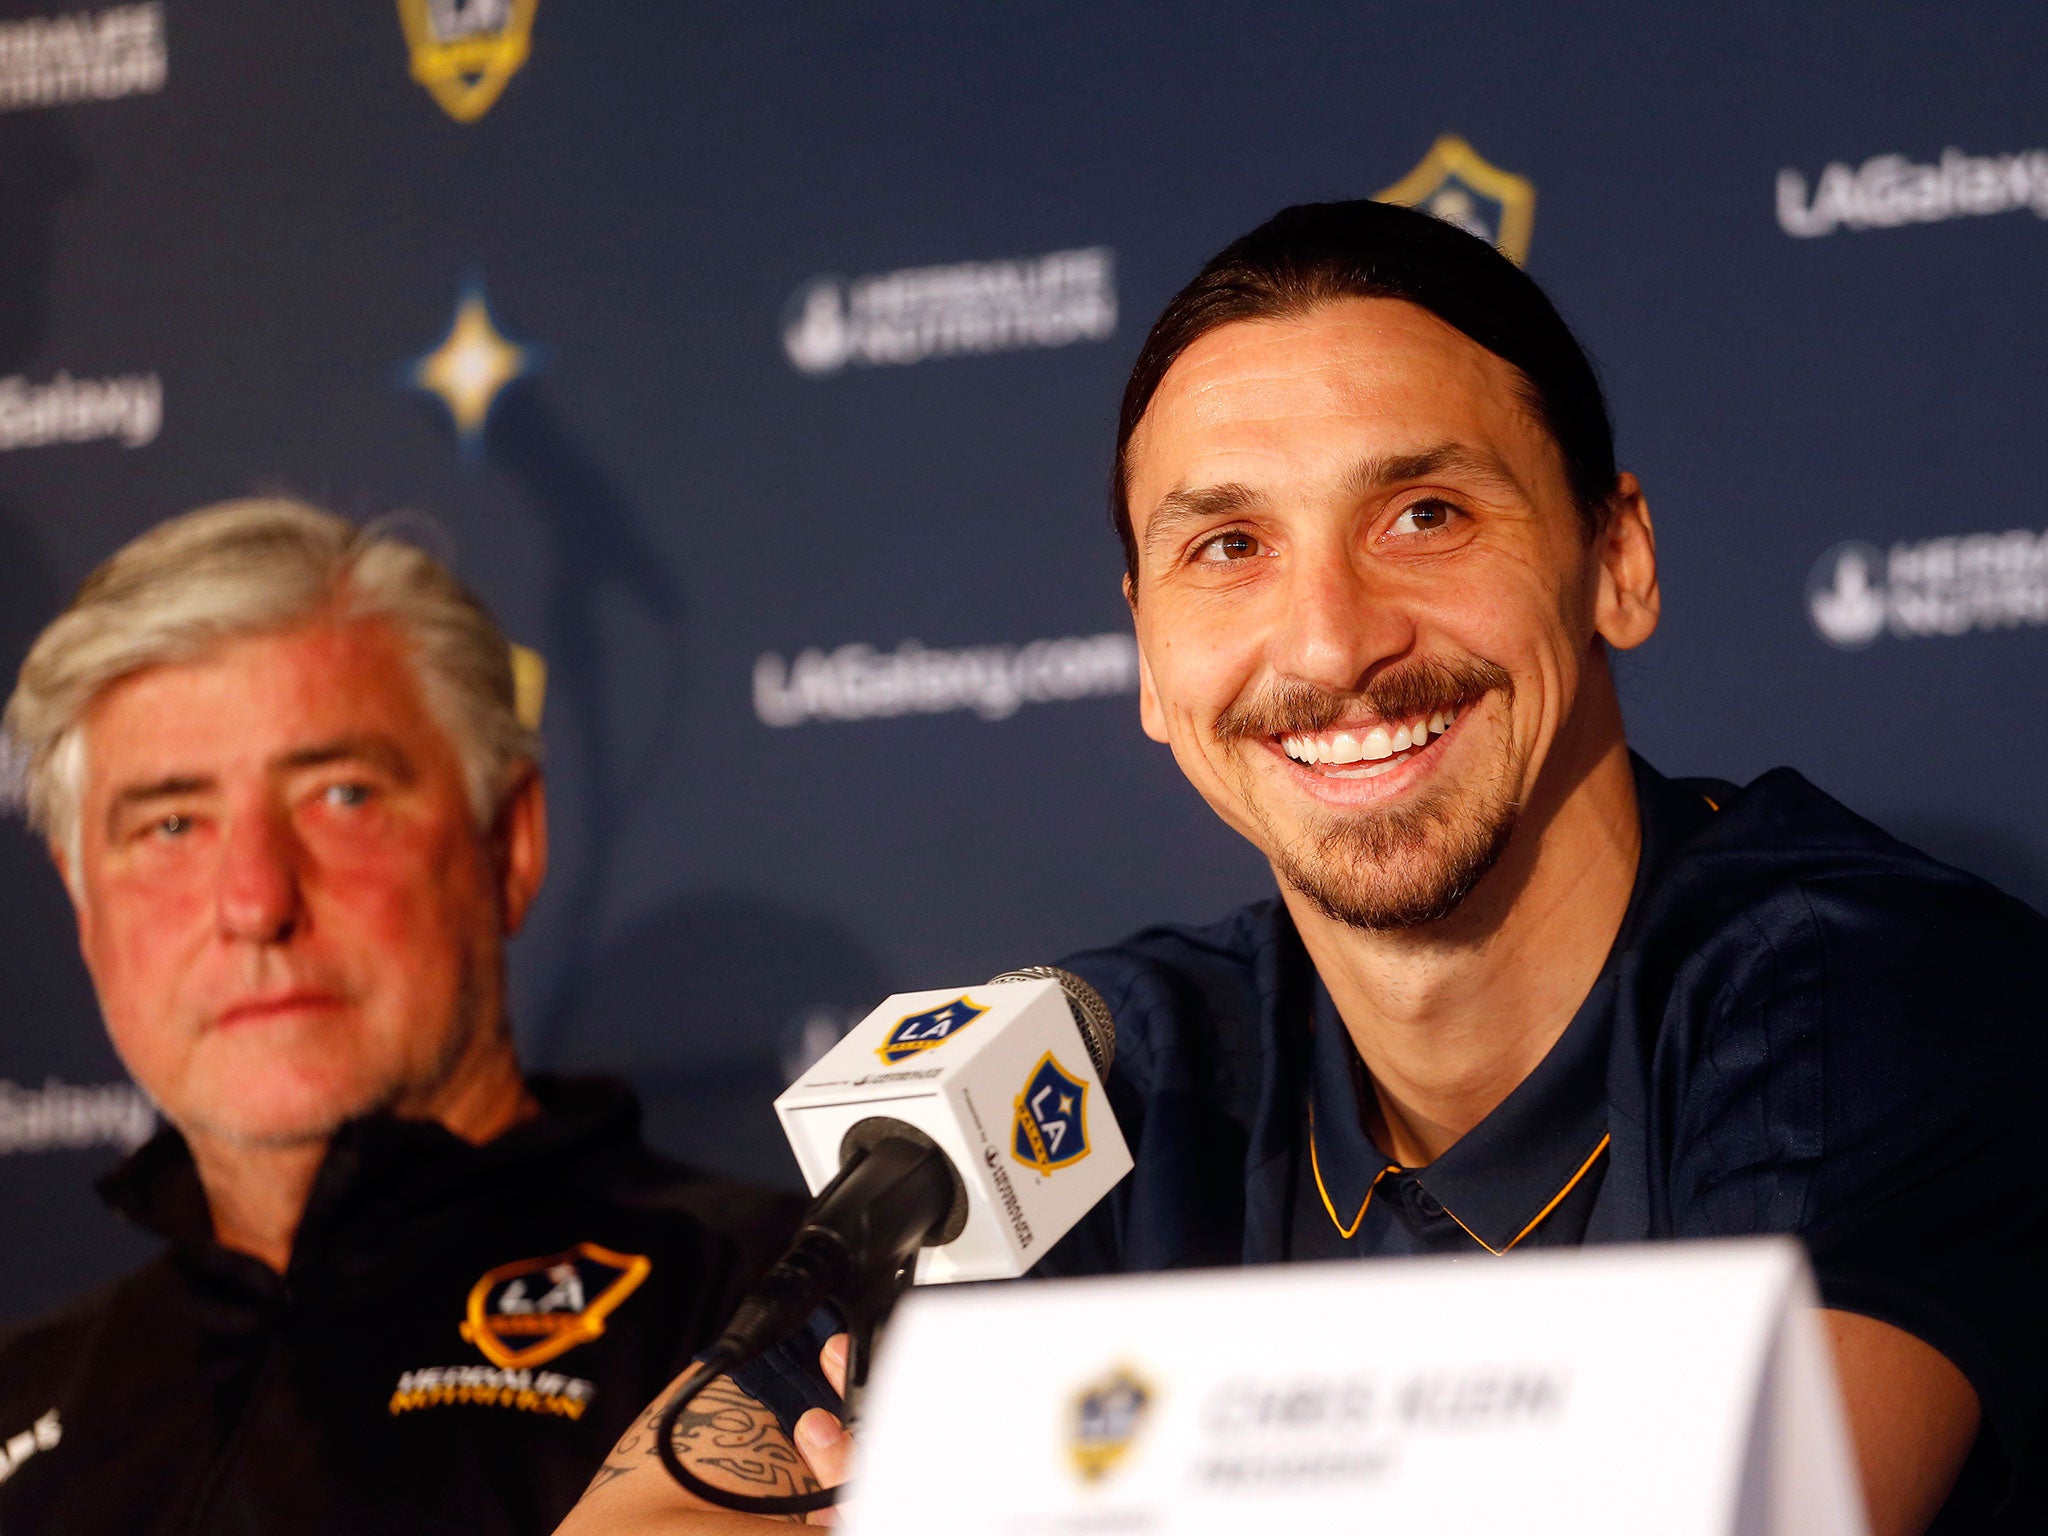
1373	747
1366	771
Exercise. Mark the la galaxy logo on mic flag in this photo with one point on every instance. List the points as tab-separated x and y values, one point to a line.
916	1032
1051	1129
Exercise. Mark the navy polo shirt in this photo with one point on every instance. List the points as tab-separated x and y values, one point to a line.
1525	1177
1803	1027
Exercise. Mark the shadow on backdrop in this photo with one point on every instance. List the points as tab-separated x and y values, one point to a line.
704	1003
48	1160
53	1024
743	991
595	554
39	168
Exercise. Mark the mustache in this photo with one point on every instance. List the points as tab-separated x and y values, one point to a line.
1290	707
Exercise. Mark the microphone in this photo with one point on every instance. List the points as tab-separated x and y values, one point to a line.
961	1134
1005	1080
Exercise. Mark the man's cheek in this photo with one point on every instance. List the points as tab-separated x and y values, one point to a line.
136	944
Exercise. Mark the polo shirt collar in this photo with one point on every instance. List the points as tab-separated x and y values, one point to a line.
1502	1177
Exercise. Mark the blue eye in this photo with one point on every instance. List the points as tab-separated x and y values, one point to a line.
174	825
346	794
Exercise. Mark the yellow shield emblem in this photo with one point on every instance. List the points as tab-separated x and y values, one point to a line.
465	52
531	1310
1460	186
1104	1421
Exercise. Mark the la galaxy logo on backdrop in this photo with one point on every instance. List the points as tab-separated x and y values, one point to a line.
1462	187
1051	1129
917	1032
465	52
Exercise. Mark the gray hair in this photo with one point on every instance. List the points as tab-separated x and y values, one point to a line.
256	567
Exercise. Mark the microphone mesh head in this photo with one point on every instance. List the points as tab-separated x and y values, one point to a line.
1091	1013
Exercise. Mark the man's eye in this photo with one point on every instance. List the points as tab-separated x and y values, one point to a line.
1424	517
1225	547
346	794
172	825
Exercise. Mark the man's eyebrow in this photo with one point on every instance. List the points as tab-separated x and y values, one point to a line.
1385	469
379	752
161	789
170	786
1200	504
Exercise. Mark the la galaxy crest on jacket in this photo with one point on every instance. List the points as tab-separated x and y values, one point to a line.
462	1335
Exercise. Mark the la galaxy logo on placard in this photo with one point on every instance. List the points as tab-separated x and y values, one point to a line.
1105	1420
916	1032
1052	1122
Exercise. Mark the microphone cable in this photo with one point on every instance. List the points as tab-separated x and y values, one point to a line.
895	1193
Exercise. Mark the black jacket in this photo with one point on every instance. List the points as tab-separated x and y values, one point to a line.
461	1335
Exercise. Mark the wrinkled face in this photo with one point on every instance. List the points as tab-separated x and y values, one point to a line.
1364	599
283	898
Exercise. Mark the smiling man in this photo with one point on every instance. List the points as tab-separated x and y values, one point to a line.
282	774
1517	988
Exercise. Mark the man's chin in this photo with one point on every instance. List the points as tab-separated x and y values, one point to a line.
281	1121
1383	874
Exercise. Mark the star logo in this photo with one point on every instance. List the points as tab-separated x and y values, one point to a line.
472	364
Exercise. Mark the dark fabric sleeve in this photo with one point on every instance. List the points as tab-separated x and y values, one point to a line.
1872	1080
788	1380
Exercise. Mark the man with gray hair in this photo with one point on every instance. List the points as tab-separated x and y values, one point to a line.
280	766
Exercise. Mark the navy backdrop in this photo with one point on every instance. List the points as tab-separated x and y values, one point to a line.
800	330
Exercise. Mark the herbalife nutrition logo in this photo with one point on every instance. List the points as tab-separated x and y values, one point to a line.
1935	587
966	308
46	61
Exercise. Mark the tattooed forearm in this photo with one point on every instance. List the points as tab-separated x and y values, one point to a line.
725	1431
725	1437
606	1473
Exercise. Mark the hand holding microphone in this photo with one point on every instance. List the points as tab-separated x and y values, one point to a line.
959	1134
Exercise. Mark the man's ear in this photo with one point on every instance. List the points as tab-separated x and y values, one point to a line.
521	835
1150	715
1628	602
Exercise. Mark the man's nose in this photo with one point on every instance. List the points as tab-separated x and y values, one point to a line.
1340	619
259	898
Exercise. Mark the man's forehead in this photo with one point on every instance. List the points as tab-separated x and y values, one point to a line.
1353	383
262	699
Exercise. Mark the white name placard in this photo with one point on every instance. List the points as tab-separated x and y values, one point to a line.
1682	1389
